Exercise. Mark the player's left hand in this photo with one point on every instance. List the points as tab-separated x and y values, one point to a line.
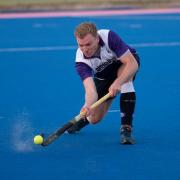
115	88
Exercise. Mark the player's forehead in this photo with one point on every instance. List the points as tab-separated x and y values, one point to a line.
86	39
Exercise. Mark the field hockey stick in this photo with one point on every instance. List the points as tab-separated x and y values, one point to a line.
66	126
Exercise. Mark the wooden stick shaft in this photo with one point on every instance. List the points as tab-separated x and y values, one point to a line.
100	101
96	104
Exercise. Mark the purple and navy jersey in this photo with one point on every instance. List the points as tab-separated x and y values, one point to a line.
111	48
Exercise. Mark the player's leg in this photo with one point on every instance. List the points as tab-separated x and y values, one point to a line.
127	107
99	112
102	87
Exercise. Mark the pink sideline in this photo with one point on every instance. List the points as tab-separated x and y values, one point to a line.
87	13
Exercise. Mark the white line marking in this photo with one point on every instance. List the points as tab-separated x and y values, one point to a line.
113	111
63	48
158	44
45	48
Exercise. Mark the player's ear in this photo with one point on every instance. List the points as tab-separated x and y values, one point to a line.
97	38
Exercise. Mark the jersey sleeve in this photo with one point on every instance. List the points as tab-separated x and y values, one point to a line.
116	44
83	70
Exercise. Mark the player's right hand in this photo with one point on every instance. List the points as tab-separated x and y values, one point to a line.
85	111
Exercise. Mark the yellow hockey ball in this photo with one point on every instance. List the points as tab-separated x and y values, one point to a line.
38	139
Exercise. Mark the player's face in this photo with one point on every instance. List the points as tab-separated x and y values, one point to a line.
88	45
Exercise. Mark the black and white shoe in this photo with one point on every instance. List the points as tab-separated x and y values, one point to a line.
126	137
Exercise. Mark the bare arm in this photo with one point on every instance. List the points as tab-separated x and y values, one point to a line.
130	67
91	95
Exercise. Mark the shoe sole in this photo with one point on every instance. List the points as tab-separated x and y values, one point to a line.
127	141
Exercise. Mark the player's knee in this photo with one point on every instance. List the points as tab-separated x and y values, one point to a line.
94	122
99	113
94	119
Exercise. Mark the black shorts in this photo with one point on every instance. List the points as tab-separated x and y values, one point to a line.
102	84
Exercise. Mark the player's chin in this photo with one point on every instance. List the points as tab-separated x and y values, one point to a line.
88	54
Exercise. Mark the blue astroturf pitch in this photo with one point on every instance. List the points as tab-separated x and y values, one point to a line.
40	91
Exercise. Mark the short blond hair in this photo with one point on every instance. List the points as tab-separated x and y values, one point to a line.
85	28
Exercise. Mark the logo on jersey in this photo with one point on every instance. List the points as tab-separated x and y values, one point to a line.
105	64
